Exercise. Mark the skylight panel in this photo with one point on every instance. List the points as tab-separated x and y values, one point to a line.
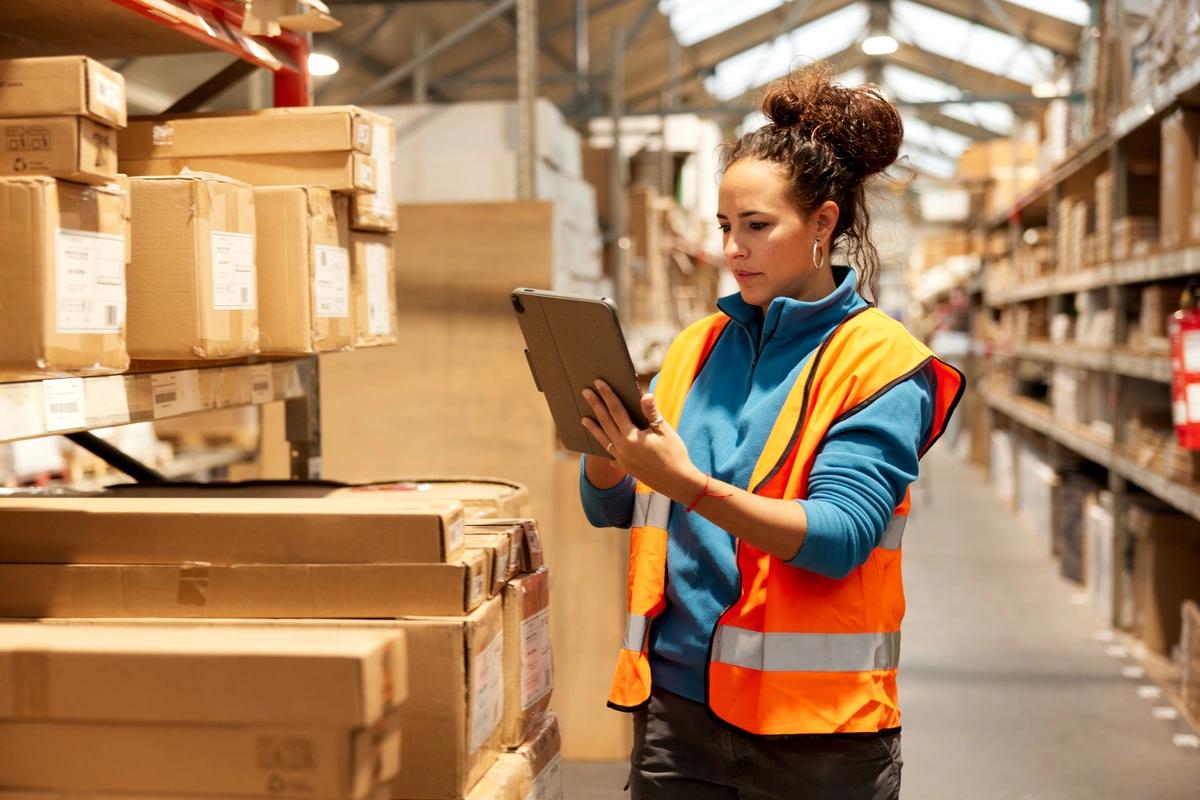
696	20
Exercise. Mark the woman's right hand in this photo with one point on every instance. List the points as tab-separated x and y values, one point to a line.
602	473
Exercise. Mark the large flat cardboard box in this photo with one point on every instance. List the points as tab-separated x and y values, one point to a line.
350	172
62	86
373	283
192	283
166	530
305	299
483	498
1180	139
70	148
216	760
528	658
63	271
542	757
219	674
286	591
376	210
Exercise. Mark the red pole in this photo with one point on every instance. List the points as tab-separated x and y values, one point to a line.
292	87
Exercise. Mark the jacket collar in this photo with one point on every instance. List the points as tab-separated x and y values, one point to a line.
788	318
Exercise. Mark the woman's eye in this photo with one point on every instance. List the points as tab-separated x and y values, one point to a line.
757	226
724	227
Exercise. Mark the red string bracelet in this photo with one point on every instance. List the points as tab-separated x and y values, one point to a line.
706	493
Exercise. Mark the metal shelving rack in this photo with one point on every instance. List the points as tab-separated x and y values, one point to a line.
74	406
1108	148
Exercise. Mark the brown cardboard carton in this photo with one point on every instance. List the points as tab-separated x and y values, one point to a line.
1166	572
164	530
273	131
70	148
257	760
217	674
192	283
542	754
528	659
287	591
62	86
303	265
532	557
506	780
483	498
339	171
496	549
452	715
1180	135
64	276
373	279
376	211
511	536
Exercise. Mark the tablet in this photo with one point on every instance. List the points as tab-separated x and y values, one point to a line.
570	341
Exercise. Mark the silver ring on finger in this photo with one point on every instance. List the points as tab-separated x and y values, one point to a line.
609	447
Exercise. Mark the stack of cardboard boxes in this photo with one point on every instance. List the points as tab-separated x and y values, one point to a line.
470	598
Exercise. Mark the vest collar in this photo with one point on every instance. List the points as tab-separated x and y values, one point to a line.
788	318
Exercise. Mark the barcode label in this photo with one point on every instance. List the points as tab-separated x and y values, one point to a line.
175	393
332	281
89	273
379	301
64	401
382	202
262	384
233	273
108	92
166	397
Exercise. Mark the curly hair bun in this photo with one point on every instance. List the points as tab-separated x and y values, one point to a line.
862	128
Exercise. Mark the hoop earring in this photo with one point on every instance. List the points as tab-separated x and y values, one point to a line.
818	254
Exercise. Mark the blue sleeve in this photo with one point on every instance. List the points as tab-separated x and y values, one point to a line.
612	507
860	475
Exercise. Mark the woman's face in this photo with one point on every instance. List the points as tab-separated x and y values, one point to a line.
768	241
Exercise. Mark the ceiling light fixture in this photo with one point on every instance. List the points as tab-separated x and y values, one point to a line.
883	45
1045	89
320	64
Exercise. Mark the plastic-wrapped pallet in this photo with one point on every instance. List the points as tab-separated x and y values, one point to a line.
1002	465
1098	551
1038	486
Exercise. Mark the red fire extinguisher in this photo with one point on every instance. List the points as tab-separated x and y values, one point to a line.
1183	327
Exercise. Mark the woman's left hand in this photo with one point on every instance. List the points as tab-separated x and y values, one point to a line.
656	456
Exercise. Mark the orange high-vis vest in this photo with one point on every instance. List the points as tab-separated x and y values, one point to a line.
797	652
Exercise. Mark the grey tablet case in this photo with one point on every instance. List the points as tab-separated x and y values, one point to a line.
570	342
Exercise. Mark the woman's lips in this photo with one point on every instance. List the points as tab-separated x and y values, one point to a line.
745	275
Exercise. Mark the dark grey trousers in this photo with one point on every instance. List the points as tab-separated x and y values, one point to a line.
681	751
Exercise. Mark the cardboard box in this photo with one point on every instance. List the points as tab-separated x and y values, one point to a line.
532	557
506	780
62	86
220	675
339	172
64	278
269	132
193	282
483	498
303	261
542	754
70	148
528	658
496	548
1180	138
290	591
258	760
373	285
514	535
376	211
164	530
1166	572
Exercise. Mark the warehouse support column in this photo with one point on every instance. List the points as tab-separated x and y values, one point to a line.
527	90
421	75
616	183
582	56
303	423
1118	394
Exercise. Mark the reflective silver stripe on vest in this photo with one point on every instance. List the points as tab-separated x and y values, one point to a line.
893	534
635	633
806	652
651	508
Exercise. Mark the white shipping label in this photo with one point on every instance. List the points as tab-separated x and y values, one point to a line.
548	784
1193	402
175	393
381	150
456	536
366	177
537	660
64	404
108	91
487	683
233	271
502	564
90	281
379	306
332	281
477	591
262	384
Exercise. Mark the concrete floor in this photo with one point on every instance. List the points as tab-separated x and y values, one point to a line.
1008	689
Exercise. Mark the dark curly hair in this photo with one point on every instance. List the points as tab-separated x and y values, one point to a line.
830	139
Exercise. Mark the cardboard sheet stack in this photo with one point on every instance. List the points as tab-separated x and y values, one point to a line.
462	581
64	219
467	153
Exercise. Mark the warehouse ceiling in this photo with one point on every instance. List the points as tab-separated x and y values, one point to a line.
715	56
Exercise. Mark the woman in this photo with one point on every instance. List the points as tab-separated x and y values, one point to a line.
768	497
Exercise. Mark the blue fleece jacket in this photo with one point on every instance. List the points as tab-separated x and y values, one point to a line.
861	472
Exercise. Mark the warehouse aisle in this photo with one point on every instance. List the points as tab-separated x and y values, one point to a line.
1008	690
